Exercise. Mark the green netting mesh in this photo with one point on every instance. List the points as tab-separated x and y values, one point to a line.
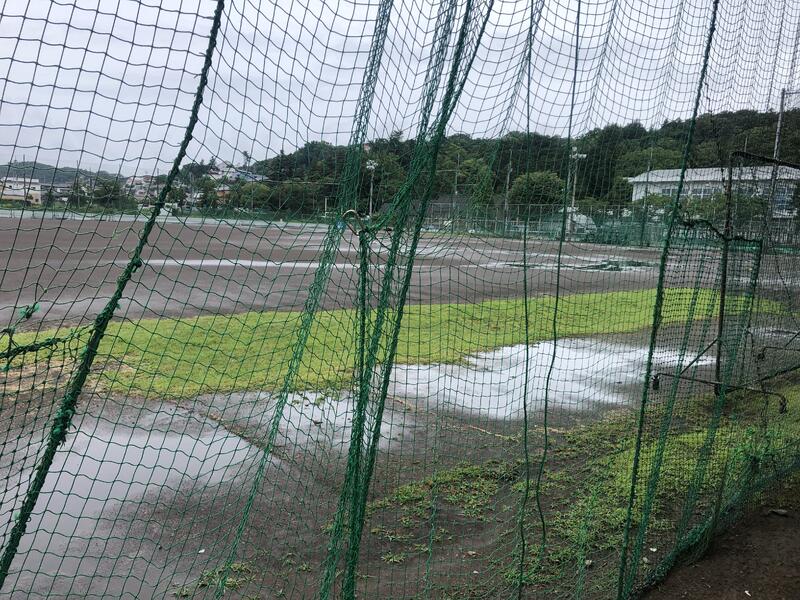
457	299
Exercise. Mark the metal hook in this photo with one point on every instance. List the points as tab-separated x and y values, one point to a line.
353	213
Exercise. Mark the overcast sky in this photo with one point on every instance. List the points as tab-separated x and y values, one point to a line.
109	83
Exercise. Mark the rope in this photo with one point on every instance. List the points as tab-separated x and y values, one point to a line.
624	584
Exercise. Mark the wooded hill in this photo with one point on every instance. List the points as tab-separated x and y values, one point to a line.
478	168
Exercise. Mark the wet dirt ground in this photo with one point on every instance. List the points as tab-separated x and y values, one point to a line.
147	495
70	268
758	558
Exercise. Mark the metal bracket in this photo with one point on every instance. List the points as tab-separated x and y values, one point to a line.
718	386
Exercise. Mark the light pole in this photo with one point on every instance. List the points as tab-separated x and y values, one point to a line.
776	151
778	130
371	166
505	201
574	157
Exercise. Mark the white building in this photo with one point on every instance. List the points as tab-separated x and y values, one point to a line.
21	189
704	183
231	173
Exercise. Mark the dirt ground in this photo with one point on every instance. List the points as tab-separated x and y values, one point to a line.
759	557
70	268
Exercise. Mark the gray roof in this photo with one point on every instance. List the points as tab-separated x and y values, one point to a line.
715	174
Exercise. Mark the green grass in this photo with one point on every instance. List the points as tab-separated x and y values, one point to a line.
188	356
239	575
468	489
589	521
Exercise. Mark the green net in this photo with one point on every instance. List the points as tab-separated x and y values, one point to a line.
460	299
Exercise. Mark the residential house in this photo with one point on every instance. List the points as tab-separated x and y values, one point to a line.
143	188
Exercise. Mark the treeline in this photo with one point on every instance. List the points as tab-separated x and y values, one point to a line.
535	167
523	168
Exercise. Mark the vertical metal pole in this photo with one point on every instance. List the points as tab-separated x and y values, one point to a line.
455	193
643	227
371	180
574	184
508	184
776	150
723	284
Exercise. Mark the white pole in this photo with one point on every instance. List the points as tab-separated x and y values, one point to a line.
371	181
776	150
508	184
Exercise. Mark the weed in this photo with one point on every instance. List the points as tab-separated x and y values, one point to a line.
393	558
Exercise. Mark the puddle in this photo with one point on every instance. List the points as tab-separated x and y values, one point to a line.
608	265
616	265
311	420
586	372
491	384
104	481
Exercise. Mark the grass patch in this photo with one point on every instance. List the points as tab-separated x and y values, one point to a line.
185	357
586	522
469	489
239	575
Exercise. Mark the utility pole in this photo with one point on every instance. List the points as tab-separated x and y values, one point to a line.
455	190
455	175
777	148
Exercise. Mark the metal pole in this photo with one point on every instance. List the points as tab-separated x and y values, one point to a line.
574	185
723	284
455	192
573	171
371	181
776	150
508	184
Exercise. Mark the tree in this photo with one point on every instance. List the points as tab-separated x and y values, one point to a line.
207	189
49	198
193	171
295	196
477	177
539	187
255	196
620	193
636	162
77	196
651	206
451	159
177	195
108	193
